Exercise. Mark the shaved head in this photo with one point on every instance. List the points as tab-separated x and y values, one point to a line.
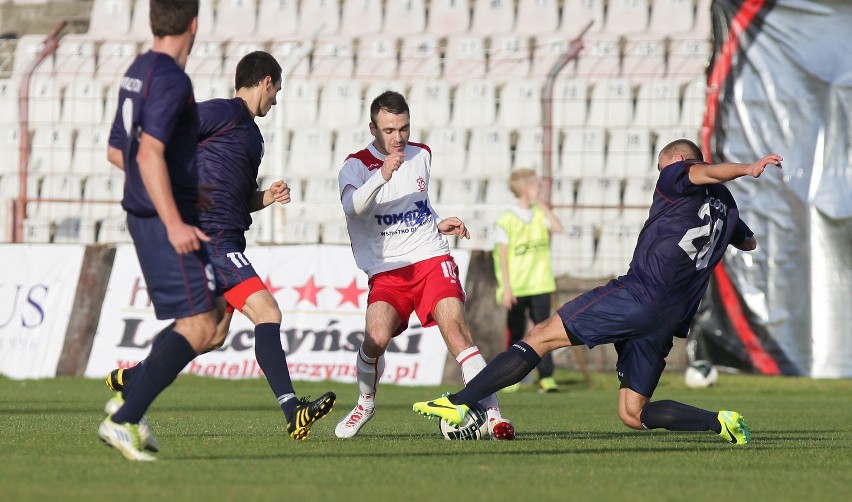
679	150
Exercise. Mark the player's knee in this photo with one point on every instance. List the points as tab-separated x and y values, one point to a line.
375	343
630	419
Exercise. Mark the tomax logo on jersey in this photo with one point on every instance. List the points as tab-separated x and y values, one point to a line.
414	217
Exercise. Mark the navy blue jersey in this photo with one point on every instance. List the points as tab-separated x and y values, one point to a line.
688	229
156	98
230	148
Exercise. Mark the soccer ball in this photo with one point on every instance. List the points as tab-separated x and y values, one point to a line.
700	374
473	427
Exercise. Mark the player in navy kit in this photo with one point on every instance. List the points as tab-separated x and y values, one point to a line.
230	149
153	139
692	220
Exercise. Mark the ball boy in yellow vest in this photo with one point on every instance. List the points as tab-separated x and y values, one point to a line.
522	264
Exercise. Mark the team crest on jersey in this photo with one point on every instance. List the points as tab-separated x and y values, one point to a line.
421	184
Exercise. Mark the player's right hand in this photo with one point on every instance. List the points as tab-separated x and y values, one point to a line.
509	299
186	238
756	169
392	162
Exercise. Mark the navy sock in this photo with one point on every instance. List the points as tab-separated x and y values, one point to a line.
273	361
129	374
509	367
675	416
169	355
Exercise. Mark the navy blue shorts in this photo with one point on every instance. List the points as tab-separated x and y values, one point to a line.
234	272
179	285
611	314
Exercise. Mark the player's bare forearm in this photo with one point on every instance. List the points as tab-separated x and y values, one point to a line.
704	174
115	157
508	296
155	177
278	191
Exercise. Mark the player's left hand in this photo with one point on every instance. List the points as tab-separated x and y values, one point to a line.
453	226
205	201
280	192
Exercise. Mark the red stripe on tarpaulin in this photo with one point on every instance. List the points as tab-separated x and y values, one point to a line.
762	361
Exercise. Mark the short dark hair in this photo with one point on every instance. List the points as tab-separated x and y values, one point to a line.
172	17
389	101
254	67
685	147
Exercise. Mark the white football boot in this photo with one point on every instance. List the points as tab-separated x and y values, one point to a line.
352	423
125	438
149	442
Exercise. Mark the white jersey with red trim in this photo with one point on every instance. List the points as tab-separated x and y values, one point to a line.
401	227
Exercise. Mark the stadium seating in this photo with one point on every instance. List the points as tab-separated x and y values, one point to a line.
26	51
601	56
611	103
114	58
644	58
474	104
520	104
537	16
235	19
583	152
140	22
318	17
333	58
529	151
657	104
110	18
9	101
493	17
465	58
361	17
310	153
671	16
448	145
489	152
510	58
377	57
626	16
629	152
576	14
419	59
90	147
340	103
74	59
206	59
51	149
277	20
404	18
83	103
448	17
570	103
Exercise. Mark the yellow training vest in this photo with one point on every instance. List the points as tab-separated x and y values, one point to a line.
528	255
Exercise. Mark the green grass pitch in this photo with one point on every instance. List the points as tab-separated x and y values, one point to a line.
224	440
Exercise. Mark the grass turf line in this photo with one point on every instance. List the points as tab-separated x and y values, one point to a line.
224	440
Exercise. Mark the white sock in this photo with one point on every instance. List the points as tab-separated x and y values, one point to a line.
370	370
472	362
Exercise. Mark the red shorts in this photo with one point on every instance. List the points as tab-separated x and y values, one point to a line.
417	288
237	296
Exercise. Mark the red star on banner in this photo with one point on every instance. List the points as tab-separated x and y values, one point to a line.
350	293
308	291
272	289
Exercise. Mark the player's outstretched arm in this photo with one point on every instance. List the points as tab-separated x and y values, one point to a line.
453	226
278	192
704	174
155	176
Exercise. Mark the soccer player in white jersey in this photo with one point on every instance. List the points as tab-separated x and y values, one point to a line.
398	241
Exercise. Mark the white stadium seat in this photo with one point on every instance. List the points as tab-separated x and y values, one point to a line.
235	18
83	103
639	191
465	58
491	17
583	151
277	20
212	88
599	191
489	153
430	102
10	145
570	102
667	15
361	17
114	230
449	147
547	50
75	58
103	193
234	52
90	147
644	58
333	58
657	104
474	104
113	60
109	18
294	58
615	248
206	18
537	16
626	16
140	23
458	191
298	103
573	248
310	153
37	229
448	17
348	141
322	189
318	16
9	101
694	104
703	26
26	51
340	104
562	191
520	104
666	135
629	152
51	149
404	17
377	57
205	60
44	105
600	57
497	192
611	103
376	87
509	57
576	14
688	57
529	151
419	59
276	146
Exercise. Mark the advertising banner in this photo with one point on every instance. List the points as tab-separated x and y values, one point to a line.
36	296
323	297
